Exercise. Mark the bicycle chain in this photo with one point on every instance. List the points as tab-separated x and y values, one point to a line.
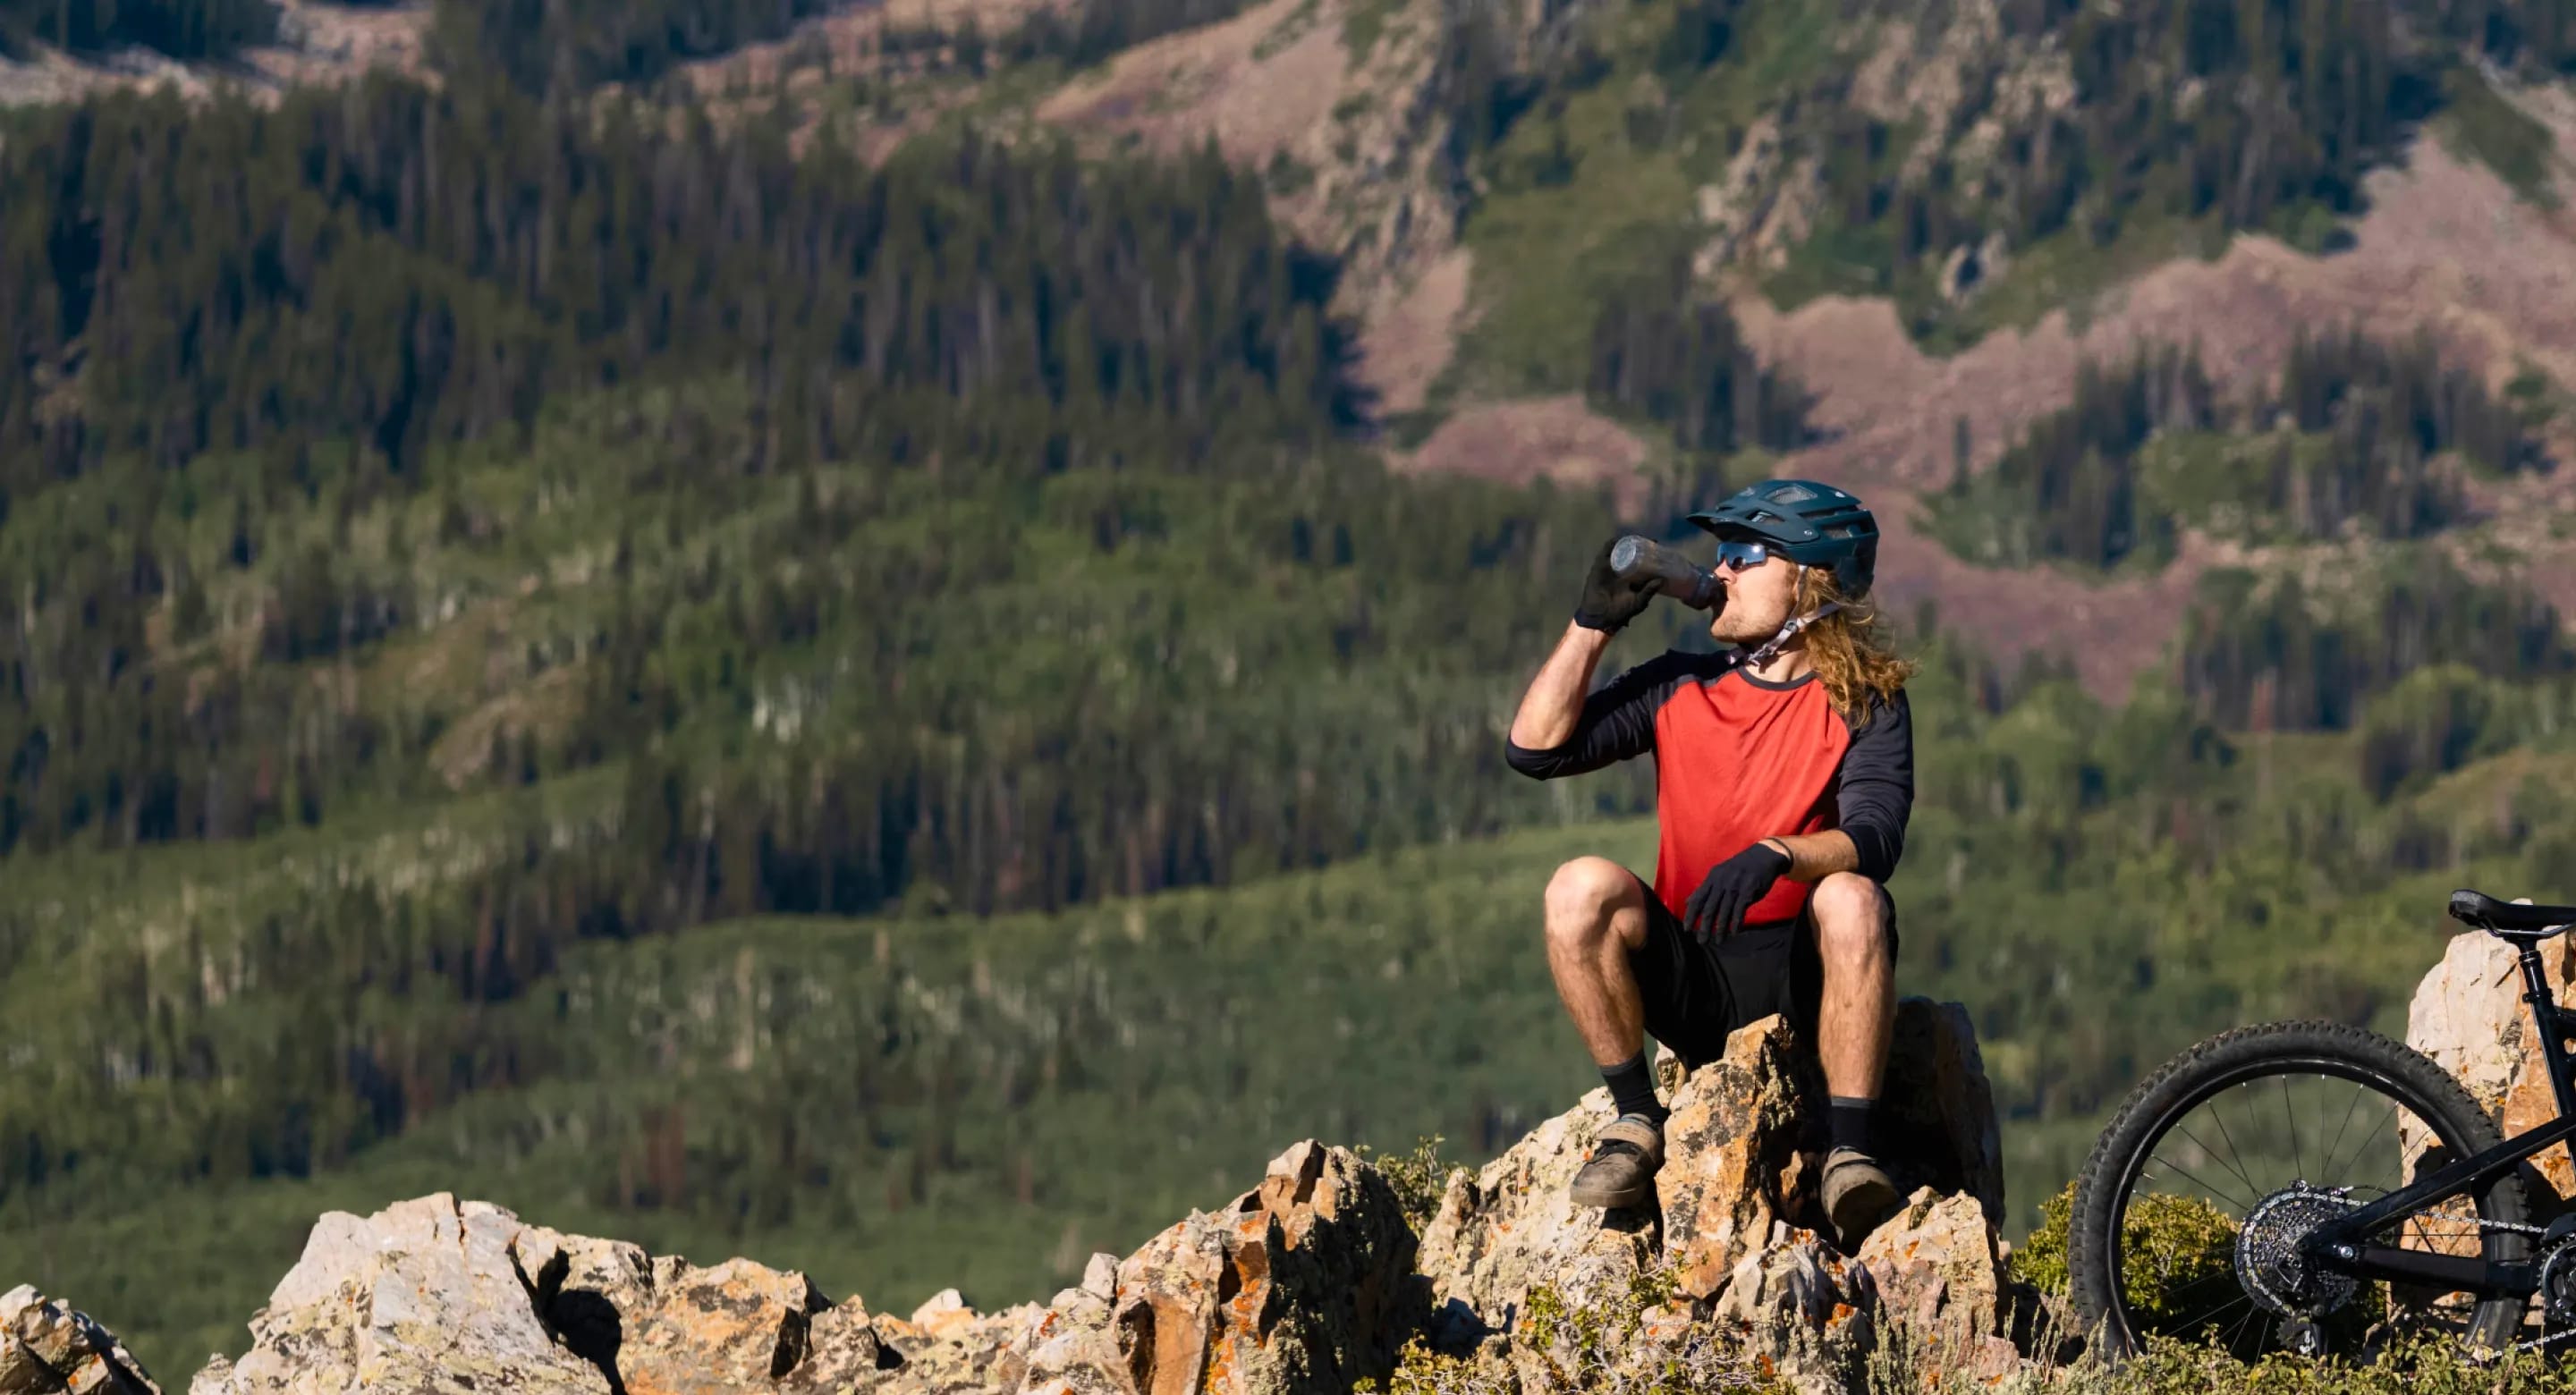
2518	1228
2536	1343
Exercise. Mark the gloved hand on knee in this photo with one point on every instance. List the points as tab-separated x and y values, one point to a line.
1730	889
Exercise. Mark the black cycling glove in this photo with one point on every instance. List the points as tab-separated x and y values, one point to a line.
1611	600
1730	889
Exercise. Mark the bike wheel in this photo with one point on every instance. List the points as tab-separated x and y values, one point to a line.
2188	1213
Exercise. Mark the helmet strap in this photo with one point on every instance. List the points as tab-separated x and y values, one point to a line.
1771	647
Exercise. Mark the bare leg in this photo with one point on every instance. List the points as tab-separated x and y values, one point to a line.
1596	914
1858	1016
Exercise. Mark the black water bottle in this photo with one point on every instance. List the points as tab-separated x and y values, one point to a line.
1635	558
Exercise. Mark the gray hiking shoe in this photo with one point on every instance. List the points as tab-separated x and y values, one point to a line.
1857	1196
1621	1170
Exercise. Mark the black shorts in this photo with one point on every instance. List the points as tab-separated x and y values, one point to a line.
1697	990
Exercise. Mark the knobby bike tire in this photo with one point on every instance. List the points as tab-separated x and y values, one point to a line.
2198	1075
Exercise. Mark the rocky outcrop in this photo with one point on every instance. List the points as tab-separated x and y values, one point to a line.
1305	1282
46	1347
1510	1228
1732	1237
1741	1145
422	1296
1310	1281
1300	1284
1939	1128
668	1328
2469	1017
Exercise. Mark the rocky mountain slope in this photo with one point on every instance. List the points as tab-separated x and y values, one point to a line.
1477	234
1407	137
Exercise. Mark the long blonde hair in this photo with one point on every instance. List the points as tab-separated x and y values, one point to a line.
1851	660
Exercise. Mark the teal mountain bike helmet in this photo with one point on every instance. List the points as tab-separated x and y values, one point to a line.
1813	524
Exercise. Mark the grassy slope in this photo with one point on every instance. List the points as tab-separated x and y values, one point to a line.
1547	252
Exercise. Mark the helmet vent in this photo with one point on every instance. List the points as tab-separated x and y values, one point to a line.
1792	494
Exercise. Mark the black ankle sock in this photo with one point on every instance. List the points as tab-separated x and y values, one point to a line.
1848	1121
1632	1088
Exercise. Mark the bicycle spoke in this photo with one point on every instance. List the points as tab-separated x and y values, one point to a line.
2339	1130
2250	1188
2240	1205
2232	1150
2198	1321
2384	1122
2290	1117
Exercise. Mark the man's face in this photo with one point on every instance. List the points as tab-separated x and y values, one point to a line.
1759	600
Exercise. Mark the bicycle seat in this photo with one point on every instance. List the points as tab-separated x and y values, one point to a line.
2512	921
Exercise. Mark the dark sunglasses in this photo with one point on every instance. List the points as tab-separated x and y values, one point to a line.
1741	556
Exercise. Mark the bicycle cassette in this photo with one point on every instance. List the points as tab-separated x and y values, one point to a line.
2271	1259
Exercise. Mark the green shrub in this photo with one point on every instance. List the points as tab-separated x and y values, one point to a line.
1419	1177
2040	1261
2175	1248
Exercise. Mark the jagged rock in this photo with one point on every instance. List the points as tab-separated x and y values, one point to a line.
434	1295
419	1297
47	1347
1732	1164
1087	1303
1075	1358
1934	1267
987	1354
1794	1277
1741	1153
1795	1303
1300	1284
841	1351
1937	1125
1746	1143
665	1326
2468	1016
1511	1227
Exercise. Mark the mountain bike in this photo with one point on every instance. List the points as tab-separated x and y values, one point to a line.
2209	1208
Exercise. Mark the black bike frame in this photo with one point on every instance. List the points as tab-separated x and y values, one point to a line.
2335	1242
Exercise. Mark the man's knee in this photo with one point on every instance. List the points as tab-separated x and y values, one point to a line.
1583	895
1852	916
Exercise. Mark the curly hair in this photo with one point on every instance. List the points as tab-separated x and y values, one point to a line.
1851	659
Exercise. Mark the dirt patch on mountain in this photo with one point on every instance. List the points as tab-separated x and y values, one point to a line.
1560	438
1404	347
2446	246
317	43
846	41
1257	83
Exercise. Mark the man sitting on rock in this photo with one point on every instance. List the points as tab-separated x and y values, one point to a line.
1784	771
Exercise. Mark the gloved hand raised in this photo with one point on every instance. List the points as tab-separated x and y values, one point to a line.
1730	889
1611	600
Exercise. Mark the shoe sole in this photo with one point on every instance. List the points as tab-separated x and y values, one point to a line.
1590	1194
1861	1210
